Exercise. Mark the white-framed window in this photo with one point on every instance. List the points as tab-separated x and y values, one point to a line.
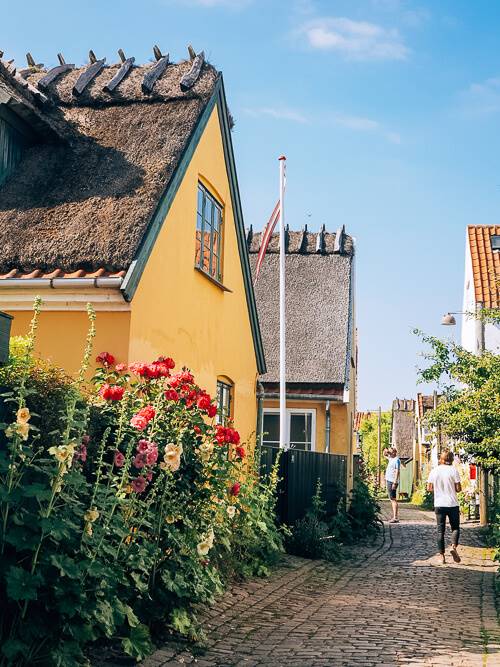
225	391
300	428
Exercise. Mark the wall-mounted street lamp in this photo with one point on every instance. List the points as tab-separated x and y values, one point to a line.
449	319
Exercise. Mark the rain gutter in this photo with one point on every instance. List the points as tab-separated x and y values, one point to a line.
61	283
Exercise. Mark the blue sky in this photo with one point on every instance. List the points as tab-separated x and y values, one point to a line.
387	111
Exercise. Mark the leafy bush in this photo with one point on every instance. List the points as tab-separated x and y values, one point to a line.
363	512
423	498
121	508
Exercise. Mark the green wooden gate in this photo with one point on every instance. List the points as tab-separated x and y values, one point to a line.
406	478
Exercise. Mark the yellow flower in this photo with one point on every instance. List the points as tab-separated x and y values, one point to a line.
170	519
231	511
172	456
63	453
23	429
88	529
206	544
57	485
23	416
10	431
91	515
205	450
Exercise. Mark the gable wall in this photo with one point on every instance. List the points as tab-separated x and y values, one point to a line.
178	312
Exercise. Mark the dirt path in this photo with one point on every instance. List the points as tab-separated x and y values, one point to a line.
392	606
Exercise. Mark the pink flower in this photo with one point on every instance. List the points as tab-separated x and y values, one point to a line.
81	453
121	367
85	439
111	392
147	411
139	422
149	476
139	461
138	368
119	459
139	484
171	395
151	456
143	446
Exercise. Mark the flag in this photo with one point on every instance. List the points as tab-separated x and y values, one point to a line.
266	237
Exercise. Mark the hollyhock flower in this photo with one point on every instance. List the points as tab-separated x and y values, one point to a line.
186	376
119	459
152	371
63	453
138	368
147	411
212	410
143	446
111	392
196	429
85	440
235	489
172	457
81	454
151	456
139	484
231	511
121	367
171	395
23	416
139	422
91	515
166	361
203	401
139	461
205	449
23	430
105	358
174	382
240	451
206	544
149	476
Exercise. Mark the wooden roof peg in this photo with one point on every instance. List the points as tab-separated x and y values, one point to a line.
89	74
153	74
338	244
60	57
30	60
287	237
320	240
192	52
53	73
190	78
249	236
127	64
303	240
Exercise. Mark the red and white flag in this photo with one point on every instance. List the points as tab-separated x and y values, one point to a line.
267	234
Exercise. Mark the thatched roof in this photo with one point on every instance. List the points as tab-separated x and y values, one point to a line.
82	198
319	306
403	426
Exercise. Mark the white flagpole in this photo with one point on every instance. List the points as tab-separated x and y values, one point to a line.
283	419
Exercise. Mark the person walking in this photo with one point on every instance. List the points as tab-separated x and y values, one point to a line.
392	480
444	481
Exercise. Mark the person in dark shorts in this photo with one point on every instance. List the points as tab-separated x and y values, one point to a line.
444	481
392	480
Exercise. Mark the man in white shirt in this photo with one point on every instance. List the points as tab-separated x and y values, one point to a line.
392	480
444	481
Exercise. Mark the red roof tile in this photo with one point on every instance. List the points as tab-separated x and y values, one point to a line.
485	264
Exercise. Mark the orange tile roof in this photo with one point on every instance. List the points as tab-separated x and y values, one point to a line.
360	418
485	264
59	273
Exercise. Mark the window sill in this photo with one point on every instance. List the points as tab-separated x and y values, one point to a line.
213	280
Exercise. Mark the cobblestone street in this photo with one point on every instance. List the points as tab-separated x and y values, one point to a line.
392	606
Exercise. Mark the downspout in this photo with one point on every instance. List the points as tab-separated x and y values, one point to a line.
327	429
260	413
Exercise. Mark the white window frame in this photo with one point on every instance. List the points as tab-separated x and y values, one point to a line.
289	412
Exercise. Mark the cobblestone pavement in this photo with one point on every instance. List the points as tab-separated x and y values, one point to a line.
393	606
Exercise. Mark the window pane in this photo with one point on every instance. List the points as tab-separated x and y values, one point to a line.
300	430
271	428
208	210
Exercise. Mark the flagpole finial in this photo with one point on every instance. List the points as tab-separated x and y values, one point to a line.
282	157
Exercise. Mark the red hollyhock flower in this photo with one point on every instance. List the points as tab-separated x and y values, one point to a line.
203	402
143	446
147	411
196	429
211	410
235	436
105	358
240	451
111	392
139	484
171	395
186	376
235	489
119	459
139	461
138	368
121	367
152	371
139	422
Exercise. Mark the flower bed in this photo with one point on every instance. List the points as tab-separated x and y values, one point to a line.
136	507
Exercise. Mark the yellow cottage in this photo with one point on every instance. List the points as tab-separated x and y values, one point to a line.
118	187
321	350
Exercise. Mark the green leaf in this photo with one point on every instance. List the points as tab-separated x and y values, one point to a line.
21	585
138	643
67	566
13	647
262	526
127	612
181	621
37	490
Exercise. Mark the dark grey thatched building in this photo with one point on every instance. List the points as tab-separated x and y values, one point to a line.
321	338
403	438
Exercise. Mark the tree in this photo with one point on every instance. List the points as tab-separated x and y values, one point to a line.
471	384
369	439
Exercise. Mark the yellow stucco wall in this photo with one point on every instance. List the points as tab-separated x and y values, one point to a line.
61	335
179	312
339	423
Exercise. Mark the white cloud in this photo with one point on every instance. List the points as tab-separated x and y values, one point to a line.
355	40
482	98
360	124
278	114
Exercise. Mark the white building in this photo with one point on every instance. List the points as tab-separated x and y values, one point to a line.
481	287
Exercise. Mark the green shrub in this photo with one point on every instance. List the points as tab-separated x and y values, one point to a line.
363	512
422	497
121	507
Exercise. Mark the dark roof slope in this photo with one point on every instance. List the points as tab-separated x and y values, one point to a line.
403	426
319	307
84	200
